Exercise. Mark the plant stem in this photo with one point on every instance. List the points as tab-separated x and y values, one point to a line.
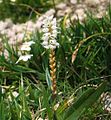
52	62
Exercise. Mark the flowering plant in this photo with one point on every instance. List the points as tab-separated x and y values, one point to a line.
49	42
26	46
49	33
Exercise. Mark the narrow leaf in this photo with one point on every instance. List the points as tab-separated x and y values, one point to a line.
84	102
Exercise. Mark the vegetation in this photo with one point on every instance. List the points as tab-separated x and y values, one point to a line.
83	74
21	8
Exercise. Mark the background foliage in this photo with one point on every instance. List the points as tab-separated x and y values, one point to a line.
81	81
20	10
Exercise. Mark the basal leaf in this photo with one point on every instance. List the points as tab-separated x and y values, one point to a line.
84	102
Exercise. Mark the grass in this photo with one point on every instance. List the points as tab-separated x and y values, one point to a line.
23	8
31	80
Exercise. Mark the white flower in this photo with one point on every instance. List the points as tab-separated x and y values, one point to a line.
14	94
30	42
49	33
26	46
24	58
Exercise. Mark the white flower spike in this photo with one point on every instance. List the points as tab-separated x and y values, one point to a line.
26	46
24	58
49	33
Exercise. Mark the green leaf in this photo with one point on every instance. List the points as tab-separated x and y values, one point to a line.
2	109
48	78
85	101
47	105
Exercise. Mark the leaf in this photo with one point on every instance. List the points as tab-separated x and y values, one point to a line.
85	101
46	104
79	102
48	78
2	109
64	20
74	55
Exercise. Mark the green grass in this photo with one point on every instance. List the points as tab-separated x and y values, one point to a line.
19	11
30	79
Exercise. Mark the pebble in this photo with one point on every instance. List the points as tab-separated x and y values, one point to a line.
92	2
60	13
61	6
73	2
79	14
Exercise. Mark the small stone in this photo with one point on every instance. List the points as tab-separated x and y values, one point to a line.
100	15
9	23
61	6
92	2
103	0
79	14
50	12
68	10
60	13
73	2
81	6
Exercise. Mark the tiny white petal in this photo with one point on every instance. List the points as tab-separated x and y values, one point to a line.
45	38
45	30
25	48
29	43
54	22
24	58
54	31
47	47
45	43
57	44
45	21
52	46
47	34
53	35
54	27
50	18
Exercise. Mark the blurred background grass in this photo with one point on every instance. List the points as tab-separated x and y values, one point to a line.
20	10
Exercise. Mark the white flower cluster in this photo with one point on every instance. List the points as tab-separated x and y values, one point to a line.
26	47
49	33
